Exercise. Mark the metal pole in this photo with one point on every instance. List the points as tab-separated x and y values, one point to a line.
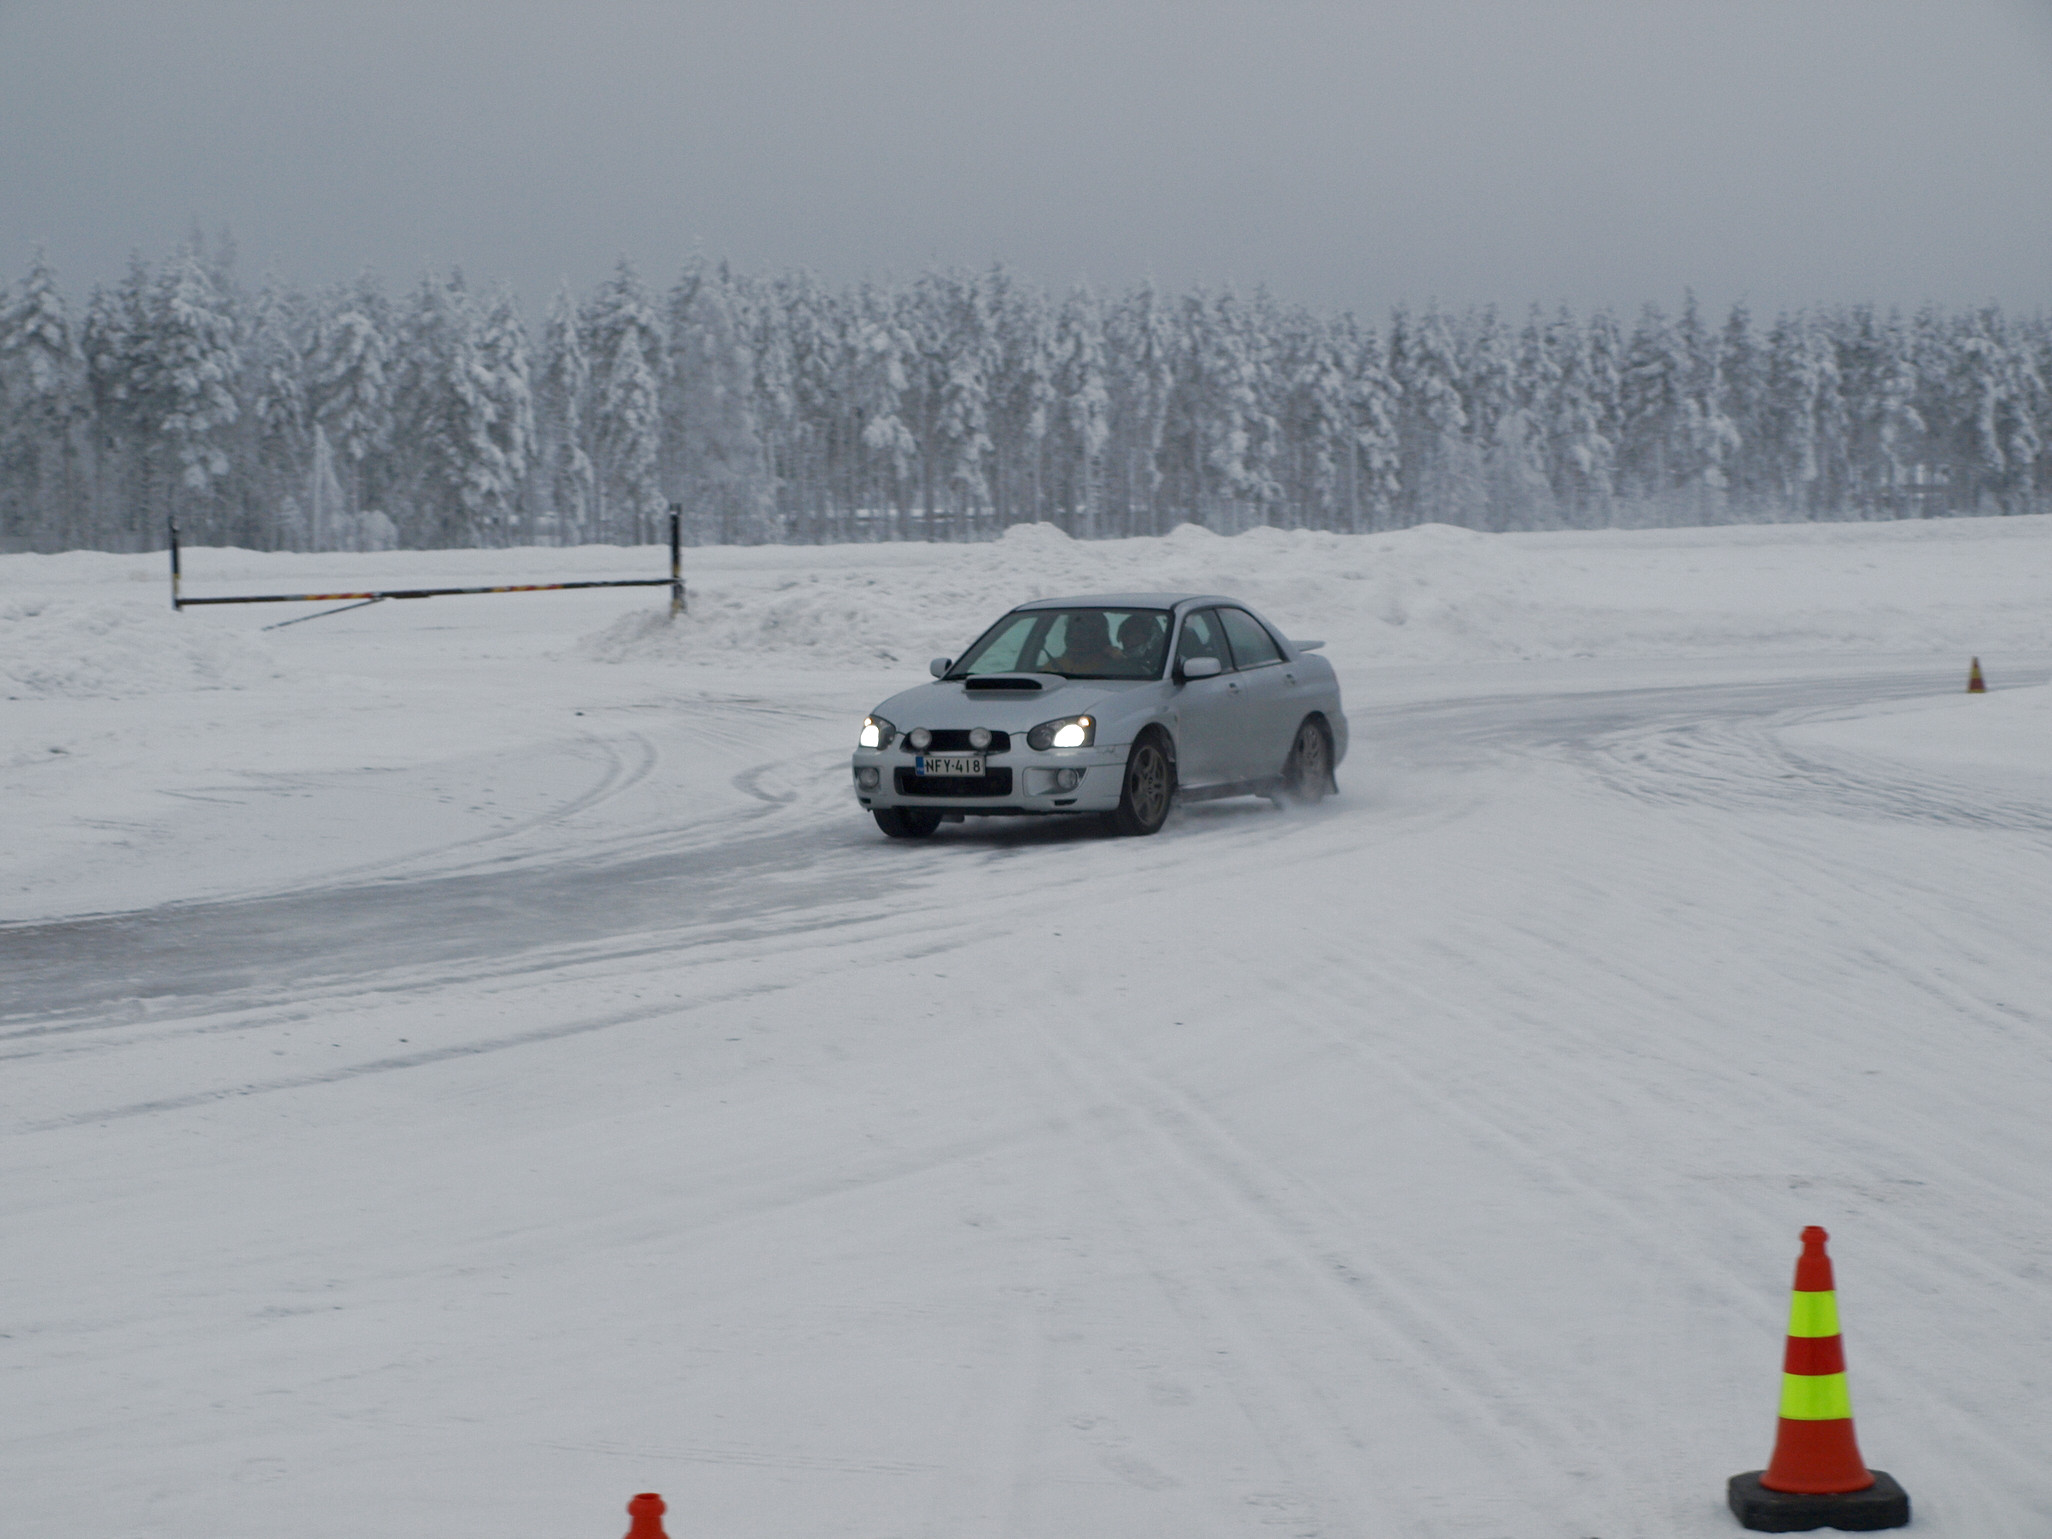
676	559
175	604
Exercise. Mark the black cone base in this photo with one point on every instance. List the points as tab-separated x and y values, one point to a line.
1884	1504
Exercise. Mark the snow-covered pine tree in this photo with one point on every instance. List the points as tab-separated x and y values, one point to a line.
1997	396
1266	390
2024	418
1377	461
1581	455
42	408
1141	339
1082	413
1860	370
1742	367
1653	405
2034	340
350	388
818	415
464	414
924	313
568	487
1022	398
1316	421
776	401
431	374
124	386
1502	428
624	343
1896	431
1804	412
506	426
197	360
1223	432
957	355
878	348
1442	476
1538	382
1711	440
278	425
720	475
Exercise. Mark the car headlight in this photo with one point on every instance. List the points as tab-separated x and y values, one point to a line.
1067	732
876	732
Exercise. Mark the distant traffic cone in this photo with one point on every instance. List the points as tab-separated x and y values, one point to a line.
647	1512
1816	1478
1976	685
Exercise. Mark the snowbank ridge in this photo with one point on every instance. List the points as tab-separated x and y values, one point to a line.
95	649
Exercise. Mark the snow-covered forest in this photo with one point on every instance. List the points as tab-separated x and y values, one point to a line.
780	408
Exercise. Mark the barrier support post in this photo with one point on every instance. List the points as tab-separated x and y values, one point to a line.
175	604
676	559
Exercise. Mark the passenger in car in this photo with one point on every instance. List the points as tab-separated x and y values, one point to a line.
1086	646
1140	639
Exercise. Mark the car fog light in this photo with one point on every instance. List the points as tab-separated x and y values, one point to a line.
919	737
867	777
1068	779
979	737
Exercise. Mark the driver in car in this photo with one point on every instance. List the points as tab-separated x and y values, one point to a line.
1140	638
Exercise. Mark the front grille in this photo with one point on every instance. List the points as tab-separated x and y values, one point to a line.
956	740
996	782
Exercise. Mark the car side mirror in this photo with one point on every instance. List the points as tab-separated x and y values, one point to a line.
1199	668
939	667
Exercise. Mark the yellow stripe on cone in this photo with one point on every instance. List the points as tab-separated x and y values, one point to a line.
1813	1314
1815	1397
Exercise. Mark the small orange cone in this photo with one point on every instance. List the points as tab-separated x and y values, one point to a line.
1816	1478
647	1512
1976	685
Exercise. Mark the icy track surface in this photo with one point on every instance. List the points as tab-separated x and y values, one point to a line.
470	1061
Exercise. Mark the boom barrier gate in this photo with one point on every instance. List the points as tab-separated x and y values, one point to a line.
674	582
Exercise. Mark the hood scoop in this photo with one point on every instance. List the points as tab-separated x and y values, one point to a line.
982	681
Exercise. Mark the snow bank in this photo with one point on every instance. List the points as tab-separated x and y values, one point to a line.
1450	585
74	648
1429	594
89	624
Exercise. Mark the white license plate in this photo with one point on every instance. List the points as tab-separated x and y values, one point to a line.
967	765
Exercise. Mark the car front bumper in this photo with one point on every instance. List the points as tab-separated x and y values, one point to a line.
1019	783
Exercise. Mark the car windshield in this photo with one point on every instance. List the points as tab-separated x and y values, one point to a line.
1081	643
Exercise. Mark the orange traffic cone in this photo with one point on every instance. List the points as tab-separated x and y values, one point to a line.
1816	1478
647	1512
1976	685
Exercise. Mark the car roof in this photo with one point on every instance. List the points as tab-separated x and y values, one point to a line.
1125	601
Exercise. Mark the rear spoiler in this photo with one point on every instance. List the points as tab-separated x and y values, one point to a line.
1307	646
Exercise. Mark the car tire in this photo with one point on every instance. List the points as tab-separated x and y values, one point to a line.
907	822
1307	773
1149	787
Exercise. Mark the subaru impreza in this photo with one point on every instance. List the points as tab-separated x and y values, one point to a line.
1114	706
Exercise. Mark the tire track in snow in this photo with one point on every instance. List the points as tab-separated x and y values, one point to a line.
1370	1307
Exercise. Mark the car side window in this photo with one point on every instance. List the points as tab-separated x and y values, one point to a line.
1202	637
1252	645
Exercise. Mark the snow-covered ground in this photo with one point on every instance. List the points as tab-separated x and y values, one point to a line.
469	1061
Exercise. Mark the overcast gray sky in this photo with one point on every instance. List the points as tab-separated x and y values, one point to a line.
1591	151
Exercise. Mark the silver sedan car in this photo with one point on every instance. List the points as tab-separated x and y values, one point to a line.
1116	705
